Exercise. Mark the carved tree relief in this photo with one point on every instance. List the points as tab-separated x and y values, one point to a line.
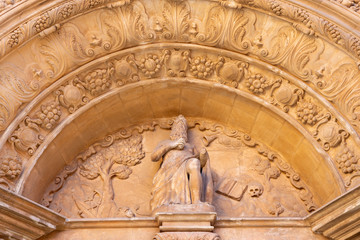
113	160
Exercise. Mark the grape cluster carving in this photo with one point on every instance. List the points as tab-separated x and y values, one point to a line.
347	161
42	23
201	67
306	112
10	167
49	115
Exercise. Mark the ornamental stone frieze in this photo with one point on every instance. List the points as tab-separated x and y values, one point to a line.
303	47
238	72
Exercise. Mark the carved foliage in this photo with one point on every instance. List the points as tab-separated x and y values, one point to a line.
114	156
263	168
111	158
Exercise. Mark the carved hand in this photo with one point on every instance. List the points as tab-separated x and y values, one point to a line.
179	144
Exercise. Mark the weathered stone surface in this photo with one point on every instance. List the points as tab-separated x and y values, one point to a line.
89	95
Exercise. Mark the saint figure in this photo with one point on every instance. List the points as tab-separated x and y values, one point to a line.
184	176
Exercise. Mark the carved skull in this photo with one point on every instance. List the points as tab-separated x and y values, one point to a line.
255	189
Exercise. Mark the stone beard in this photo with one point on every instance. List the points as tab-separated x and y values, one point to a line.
184	176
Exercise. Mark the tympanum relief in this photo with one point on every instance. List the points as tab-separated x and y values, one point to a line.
139	171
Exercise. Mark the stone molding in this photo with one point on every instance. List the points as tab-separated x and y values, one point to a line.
24	219
339	219
336	220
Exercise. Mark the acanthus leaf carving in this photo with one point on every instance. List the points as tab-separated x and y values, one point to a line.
291	50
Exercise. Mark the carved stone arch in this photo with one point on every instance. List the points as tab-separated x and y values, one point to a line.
282	72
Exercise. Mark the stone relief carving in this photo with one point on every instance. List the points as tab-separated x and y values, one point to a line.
113	158
71	96
354	5
165	24
184	176
88	186
182	63
10	168
27	137
232	28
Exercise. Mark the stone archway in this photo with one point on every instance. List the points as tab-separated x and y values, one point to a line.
278	78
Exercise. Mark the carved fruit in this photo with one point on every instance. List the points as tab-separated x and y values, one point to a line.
202	67
329	133
306	112
72	95
10	167
99	80
49	115
347	160
27	136
229	72
284	95
122	69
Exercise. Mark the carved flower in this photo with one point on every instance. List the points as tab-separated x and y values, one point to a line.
49	115
150	65
99	81
10	167
257	83
42	22
306	112
347	160
201	67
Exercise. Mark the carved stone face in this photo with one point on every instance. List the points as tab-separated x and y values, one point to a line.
255	189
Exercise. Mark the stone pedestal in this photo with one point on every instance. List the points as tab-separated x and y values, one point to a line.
180	222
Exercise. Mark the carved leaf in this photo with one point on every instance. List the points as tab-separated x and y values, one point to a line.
121	172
